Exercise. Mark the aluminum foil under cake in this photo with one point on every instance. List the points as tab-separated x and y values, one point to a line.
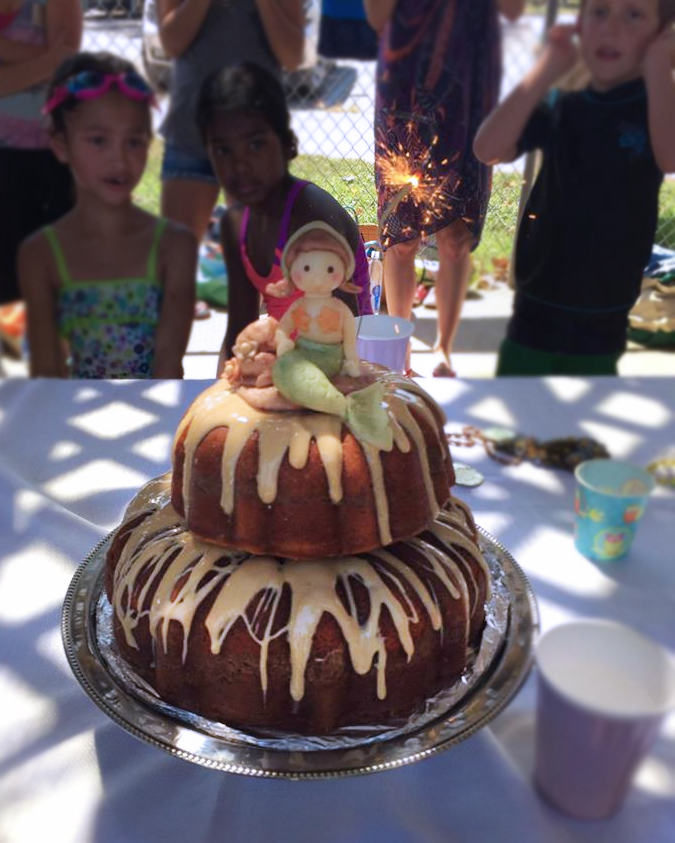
444	704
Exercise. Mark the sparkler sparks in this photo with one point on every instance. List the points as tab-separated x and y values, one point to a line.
409	168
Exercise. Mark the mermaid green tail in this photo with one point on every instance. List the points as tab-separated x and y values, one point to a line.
302	376
368	419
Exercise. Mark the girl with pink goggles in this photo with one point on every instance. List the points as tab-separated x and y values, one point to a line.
91	84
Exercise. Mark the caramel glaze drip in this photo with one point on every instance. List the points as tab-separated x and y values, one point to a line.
291	433
164	573
452	528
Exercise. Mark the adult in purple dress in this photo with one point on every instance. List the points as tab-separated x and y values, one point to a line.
438	74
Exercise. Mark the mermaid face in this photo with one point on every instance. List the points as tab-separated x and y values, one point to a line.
317	272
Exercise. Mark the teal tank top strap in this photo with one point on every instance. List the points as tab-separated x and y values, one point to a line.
151	271
59	257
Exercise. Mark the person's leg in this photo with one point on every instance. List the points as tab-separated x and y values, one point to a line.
400	281
452	279
189	194
400	278
190	203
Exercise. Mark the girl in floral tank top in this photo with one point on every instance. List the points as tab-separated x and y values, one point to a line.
109	288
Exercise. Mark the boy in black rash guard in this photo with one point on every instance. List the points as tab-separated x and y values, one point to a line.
588	227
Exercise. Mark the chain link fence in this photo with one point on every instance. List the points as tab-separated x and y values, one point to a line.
332	105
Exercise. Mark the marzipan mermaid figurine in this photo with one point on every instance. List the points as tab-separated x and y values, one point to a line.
316	337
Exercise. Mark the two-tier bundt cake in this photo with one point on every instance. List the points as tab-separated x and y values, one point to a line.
304	646
304	566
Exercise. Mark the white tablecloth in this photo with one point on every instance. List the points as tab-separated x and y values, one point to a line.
72	455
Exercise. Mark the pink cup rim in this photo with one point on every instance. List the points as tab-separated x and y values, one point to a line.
660	652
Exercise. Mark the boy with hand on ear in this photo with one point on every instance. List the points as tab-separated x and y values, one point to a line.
588	227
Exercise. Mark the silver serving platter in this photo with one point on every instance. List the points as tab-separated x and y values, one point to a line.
156	726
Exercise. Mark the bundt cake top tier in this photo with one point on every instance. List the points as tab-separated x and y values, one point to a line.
186	593
302	483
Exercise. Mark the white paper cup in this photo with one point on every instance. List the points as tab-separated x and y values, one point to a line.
603	693
383	339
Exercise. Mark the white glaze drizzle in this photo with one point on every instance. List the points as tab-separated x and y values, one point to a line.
201	567
292	432
454	526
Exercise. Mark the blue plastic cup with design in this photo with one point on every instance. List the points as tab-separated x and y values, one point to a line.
610	500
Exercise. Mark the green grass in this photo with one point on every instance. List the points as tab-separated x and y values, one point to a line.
147	192
351	182
665	230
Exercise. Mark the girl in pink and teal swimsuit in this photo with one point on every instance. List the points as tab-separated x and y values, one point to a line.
108	287
244	119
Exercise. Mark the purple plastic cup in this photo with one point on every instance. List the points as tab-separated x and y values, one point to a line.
383	339
604	691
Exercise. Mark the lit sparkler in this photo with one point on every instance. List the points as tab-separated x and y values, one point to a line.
409	168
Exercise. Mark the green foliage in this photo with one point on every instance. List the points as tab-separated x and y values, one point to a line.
665	231
147	192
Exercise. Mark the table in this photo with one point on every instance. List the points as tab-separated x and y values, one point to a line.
71	456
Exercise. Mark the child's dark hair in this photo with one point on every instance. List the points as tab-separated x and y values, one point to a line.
666	12
247	86
101	62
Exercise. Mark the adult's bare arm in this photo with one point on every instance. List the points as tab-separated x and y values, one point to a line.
379	12
25	66
511	9
497	138
284	25
179	22
39	294
13	51
65	17
658	75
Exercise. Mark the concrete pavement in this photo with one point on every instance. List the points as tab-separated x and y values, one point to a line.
481	330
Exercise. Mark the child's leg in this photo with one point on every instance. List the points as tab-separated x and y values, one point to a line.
400	281
190	203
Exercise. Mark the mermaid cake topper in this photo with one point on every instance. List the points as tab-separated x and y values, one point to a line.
308	359
316	337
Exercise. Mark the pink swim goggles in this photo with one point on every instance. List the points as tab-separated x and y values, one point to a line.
91	84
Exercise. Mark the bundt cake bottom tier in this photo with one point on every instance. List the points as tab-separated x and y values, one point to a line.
288	645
